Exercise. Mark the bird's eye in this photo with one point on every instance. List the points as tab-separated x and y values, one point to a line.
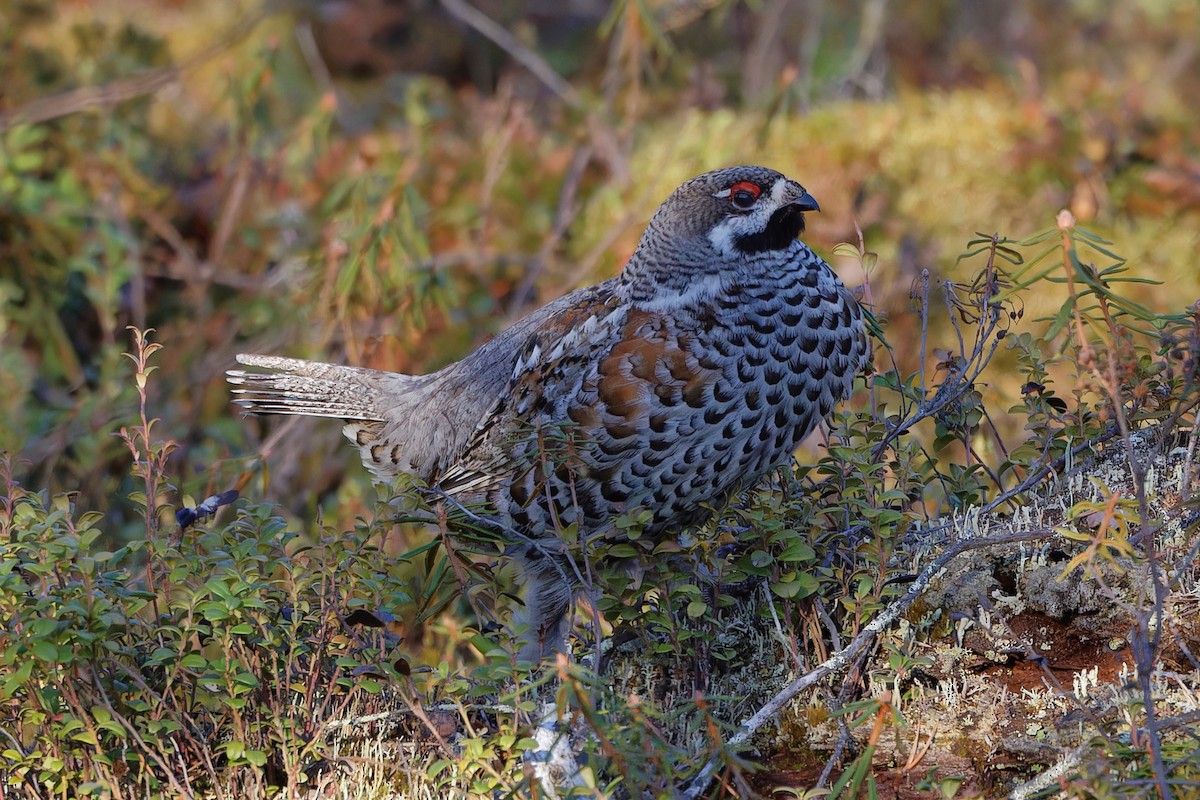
744	194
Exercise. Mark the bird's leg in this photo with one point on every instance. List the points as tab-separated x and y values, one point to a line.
548	595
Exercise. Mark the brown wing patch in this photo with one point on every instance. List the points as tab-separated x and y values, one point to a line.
650	369
584	416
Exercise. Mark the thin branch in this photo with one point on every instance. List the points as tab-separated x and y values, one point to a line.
1052	776
844	658
607	145
85	98
845	739
564	215
485	25
924	352
306	42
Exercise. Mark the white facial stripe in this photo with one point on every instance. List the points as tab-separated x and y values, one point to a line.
777	191
725	235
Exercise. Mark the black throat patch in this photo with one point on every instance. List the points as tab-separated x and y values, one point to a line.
782	229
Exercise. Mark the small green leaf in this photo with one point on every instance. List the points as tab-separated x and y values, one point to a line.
798	550
45	651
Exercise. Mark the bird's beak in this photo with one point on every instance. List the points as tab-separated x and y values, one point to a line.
806	202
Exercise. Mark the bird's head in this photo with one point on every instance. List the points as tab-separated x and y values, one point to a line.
727	215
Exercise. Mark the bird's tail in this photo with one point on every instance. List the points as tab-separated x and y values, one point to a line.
310	388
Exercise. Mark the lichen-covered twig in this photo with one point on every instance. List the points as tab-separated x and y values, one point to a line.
865	638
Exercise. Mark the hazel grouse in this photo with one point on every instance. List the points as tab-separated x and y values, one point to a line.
684	379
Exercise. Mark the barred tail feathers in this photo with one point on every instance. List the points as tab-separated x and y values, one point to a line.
310	388
389	417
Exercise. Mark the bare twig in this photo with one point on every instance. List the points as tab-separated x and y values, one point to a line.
1051	776
1144	640
119	91
847	656
231	208
851	684
465	12
607	144
564	215
839	747
307	44
757	70
924	352
968	367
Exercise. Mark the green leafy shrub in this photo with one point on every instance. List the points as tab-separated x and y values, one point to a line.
267	653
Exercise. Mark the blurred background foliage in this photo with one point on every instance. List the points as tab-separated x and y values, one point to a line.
378	182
